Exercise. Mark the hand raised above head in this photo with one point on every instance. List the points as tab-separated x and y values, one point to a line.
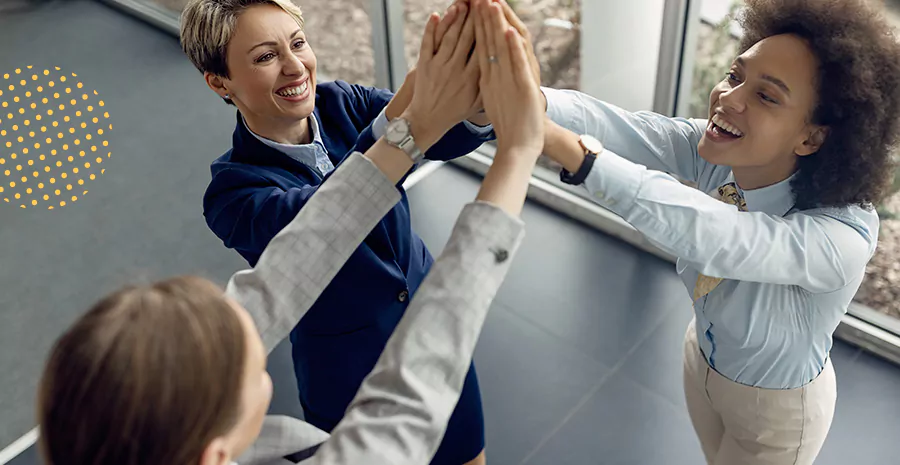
512	98
446	81
520	27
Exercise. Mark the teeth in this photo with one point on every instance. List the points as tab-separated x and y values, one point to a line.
727	127
292	91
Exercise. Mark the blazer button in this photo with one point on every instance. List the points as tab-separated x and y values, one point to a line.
500	255
403	296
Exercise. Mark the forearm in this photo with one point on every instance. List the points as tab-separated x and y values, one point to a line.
403	406
653	140
818	252
301	260
506	183
561	145
395	163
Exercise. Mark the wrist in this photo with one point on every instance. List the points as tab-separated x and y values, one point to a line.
422	129
398	104
563	146
480	119
553	136
519	153
394	108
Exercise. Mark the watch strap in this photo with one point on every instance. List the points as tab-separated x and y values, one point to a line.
581	175
409	146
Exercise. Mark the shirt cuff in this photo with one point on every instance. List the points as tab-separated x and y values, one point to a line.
483	132
379	125
614	182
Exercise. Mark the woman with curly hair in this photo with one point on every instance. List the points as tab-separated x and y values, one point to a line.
773	244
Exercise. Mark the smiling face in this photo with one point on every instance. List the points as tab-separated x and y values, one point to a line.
759	115
272	69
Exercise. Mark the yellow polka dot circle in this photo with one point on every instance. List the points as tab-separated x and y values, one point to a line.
54	137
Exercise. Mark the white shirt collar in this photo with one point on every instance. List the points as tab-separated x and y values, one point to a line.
313	154
777	199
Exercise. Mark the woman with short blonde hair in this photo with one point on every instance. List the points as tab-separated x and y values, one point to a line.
291	131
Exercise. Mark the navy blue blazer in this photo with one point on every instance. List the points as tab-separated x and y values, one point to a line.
256	191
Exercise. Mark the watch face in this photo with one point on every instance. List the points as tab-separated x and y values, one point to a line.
397	130
591	144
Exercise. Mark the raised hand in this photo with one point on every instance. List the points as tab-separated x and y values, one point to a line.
520	27
446	81
446	21
517	23
510	92
404	94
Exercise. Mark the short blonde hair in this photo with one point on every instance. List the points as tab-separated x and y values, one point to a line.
207	27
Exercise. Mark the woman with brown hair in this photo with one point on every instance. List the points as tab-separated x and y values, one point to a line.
173	363
174	373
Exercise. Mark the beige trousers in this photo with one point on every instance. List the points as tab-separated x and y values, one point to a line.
744	425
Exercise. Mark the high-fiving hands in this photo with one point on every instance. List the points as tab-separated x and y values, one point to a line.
520	27
444	88
512	99
446	76
511	95
480	56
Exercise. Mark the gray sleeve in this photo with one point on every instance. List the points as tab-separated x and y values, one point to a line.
650	139
302	259
401	411
282	436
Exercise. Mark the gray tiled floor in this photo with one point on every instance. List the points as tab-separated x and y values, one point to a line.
531	377
623	423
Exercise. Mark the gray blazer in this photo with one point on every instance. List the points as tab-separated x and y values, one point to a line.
400	412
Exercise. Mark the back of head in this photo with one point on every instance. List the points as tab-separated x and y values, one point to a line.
858	93
150	375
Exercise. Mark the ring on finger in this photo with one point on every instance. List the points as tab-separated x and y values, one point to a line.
493	59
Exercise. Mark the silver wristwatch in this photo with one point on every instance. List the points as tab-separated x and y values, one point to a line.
398	134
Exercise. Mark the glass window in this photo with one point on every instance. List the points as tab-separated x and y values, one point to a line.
881	289
717	39
717	42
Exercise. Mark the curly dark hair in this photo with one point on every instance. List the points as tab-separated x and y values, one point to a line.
858	94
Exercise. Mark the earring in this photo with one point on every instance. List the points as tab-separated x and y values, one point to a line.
226	96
